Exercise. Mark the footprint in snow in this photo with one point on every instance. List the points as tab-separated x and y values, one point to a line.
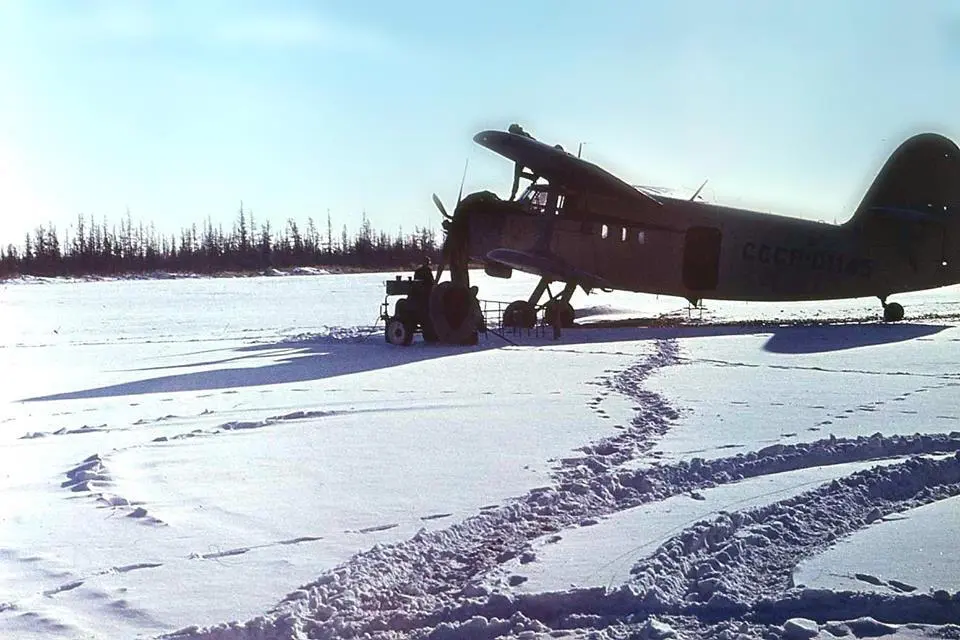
866	577
903	587
64	587
436	516
375	529
301	539
136	567
221	554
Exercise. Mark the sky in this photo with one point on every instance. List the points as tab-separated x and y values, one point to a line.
178	110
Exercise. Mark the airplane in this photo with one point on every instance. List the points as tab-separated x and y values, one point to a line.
577	224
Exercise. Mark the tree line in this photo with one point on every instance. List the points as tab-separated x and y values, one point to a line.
101	248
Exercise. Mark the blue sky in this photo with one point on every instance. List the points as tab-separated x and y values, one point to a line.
180	109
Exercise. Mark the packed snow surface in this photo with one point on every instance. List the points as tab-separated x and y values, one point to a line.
247	458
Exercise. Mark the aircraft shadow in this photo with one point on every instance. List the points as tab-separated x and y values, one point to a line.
805	337
306	360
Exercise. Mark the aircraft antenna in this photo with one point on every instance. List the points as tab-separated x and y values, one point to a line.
697	192
462	180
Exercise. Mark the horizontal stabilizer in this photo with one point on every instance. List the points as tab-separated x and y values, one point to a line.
547	266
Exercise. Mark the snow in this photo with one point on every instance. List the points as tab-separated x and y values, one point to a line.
602	555
247	458
925	539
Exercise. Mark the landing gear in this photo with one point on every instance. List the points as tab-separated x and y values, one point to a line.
399	332
557	309
892	312
522	314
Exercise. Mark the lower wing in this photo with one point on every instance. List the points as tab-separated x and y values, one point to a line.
547	266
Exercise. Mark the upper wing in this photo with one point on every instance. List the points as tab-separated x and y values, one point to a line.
547	266
558	166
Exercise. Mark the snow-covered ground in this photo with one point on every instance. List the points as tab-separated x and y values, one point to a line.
247	458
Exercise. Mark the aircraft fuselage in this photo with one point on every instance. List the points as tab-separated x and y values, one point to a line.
697	250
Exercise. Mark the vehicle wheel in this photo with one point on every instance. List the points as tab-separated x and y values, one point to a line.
892	312
519	314
564	309
399	332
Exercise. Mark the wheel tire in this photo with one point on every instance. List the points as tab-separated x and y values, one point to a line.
565	309
519	314
893	312
399	332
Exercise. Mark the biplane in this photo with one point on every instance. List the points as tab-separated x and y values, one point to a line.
576	224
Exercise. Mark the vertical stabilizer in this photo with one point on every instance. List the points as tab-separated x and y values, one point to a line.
920	182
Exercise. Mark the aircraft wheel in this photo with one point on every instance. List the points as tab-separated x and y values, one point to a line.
892	312
555	307
399	332
519	314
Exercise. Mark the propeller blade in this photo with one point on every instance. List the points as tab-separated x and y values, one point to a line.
440	206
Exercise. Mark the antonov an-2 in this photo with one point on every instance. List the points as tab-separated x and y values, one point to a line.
577	224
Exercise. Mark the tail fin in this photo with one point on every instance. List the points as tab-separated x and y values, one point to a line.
919	182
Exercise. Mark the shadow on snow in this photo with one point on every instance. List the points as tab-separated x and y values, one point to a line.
314	359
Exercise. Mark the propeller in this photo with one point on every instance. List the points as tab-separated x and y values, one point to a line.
454	228
454	243
443	210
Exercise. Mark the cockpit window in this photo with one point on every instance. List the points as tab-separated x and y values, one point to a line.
539	199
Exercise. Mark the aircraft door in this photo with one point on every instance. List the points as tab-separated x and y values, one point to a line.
701	258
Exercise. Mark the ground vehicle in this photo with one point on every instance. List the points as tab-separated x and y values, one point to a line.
410	313
444	313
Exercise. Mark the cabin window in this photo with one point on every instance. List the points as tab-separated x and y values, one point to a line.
623	234
641	238
604	231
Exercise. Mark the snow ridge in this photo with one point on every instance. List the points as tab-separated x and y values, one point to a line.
92	476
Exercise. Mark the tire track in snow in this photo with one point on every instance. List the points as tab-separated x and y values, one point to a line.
92	475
